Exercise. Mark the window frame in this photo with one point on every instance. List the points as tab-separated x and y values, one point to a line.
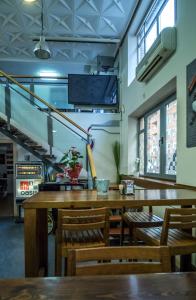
162	107
142	27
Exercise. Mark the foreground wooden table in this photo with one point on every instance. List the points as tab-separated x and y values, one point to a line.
150	286
35	215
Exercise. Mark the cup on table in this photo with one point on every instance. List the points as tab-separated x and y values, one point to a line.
102	186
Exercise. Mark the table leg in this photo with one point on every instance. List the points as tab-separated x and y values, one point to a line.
36	242
186	260
186	263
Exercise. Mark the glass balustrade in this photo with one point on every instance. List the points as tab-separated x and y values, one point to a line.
33	118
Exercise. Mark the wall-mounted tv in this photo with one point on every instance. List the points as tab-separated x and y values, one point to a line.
100	90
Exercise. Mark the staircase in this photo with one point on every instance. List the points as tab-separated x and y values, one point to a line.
28	144
43	133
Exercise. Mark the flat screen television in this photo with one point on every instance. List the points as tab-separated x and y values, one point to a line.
94	90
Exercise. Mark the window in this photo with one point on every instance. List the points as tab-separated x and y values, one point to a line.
157	140
161	15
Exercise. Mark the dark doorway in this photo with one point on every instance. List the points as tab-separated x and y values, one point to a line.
6	180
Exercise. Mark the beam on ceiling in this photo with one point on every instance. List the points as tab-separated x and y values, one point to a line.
78	39
135	10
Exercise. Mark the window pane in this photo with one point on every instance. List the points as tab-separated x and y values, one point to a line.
151	36
141	51
141	124
153	137
140	35
153	13
141	153
166	18
171	132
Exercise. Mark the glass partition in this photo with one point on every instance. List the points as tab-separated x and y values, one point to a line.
54	94
27	116
2	97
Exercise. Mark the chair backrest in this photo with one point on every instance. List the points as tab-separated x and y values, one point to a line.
83	220
177	218
118	260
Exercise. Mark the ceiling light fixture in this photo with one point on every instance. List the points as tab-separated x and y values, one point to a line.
41	49
29	1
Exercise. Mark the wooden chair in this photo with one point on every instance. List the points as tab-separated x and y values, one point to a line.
80	229
172	233
152	260
115	220
139	219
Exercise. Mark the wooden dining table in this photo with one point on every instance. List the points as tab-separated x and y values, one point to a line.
36	207
168	286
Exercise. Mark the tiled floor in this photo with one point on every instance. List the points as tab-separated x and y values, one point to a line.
6	205
12	249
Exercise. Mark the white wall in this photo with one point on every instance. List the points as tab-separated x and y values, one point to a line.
33	123
137	94
102	151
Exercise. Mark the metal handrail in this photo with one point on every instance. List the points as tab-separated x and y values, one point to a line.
51	107
53	117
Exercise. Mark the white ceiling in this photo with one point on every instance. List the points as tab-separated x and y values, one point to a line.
21	21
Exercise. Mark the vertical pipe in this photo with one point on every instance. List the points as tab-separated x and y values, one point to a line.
50	132
7	104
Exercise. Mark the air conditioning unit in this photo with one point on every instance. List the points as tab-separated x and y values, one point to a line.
104	63
163	47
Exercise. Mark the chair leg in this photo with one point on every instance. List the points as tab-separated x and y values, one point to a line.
58	262
65	266
186	263
122	236
173	263
132	237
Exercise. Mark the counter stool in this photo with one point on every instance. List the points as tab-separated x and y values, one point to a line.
139	219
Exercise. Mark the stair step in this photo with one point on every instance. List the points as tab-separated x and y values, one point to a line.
48	156
28	142
2	122
38	148
31	144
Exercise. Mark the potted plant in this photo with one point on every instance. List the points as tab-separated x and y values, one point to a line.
72	164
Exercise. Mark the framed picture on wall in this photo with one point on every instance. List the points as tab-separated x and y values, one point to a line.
191	98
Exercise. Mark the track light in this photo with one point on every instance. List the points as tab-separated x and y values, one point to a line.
41	49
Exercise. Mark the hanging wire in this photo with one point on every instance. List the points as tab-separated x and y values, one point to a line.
42	17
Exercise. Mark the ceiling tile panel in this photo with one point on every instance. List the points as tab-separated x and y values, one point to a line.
86	25
21	22
91	7
60	25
